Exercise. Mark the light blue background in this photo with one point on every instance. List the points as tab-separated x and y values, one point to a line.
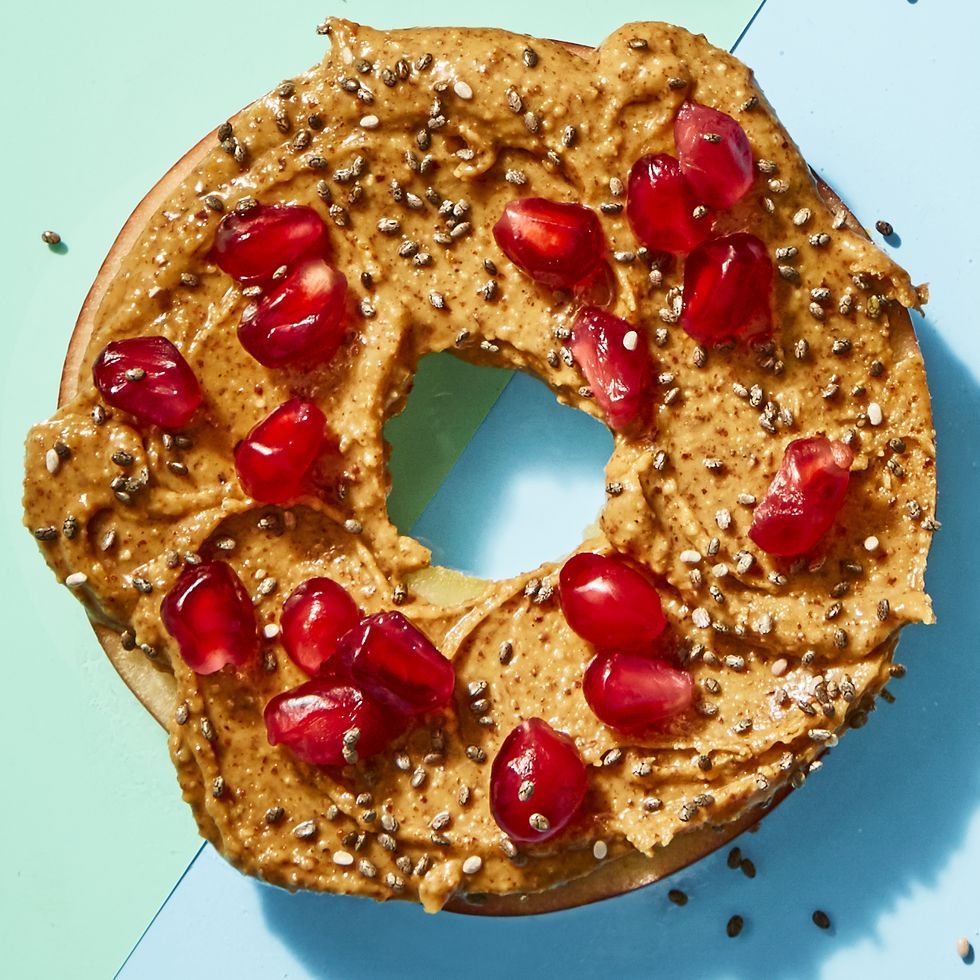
886	837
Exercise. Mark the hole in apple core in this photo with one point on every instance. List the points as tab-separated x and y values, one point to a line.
490	472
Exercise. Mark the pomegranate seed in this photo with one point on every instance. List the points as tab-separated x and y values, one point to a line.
660	205
149	378
727	287
714	154
210	615
556	244
275	458
632	693
537	782
609	603
598	288
396	664
251	245
619	376
314	618
313	719
804	497
301	320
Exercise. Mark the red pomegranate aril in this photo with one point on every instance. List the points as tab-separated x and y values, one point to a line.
300	320
660	205
633	693
210	615
251	245
312	720
609	603
149	378
274	460
727	290
396	664
714	154
314	618
620	376
556	244
804	497
537	782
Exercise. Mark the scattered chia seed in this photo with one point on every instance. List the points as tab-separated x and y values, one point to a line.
734	926
821	919
678	897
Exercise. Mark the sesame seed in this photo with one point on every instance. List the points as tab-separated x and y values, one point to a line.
871	543
630	339
779	667
875	415
463	90
52	461
472	864
801	217
370	122
600	850
690	557
76	579
963	947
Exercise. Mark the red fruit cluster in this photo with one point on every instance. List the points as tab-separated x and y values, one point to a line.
671	204
538	780
613	606
371	676
283	248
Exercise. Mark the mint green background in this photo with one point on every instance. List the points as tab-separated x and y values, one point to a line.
99	100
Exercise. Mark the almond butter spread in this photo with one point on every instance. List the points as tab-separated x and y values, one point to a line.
783	655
